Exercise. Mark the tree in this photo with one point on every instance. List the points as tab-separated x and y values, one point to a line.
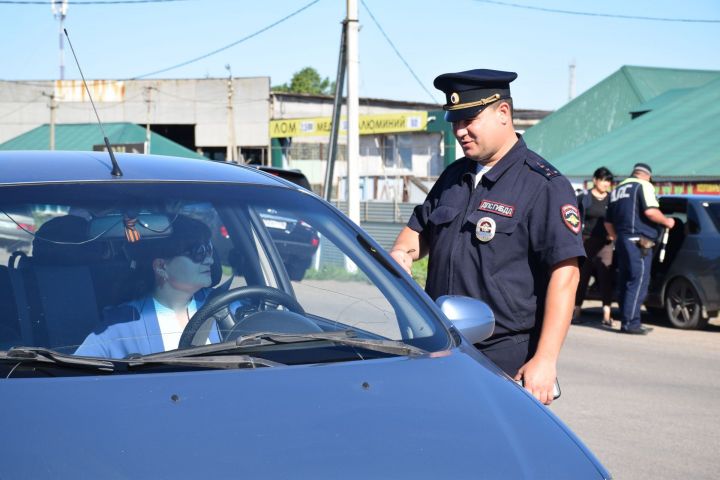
307	80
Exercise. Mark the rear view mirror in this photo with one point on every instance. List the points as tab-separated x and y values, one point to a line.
148	225
473	318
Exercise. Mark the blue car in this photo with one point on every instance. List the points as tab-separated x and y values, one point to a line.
130	347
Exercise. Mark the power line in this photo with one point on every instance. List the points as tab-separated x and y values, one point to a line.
278	22
593	14
398	53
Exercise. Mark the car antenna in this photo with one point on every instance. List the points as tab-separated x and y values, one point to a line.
116	172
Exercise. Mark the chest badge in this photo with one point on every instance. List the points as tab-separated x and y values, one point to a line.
485	229
497	207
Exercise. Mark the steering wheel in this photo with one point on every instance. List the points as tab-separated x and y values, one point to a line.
217	303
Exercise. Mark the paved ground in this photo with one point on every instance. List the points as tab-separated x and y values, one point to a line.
647	406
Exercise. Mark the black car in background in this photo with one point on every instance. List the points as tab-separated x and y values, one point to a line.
685	287
296	240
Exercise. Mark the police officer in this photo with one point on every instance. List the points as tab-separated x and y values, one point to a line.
633	219
500	224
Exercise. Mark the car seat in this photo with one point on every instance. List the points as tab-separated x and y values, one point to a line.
53	289
9	325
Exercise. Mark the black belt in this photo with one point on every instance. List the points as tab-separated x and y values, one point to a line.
503	340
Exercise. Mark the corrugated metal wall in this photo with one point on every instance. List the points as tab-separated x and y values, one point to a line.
382	220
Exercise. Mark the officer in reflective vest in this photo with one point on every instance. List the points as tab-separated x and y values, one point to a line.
632	220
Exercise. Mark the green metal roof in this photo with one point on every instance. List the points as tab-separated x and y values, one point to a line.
660	100
606	107
83	136
678	138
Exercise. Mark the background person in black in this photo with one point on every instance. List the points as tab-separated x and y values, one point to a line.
598	246
500	224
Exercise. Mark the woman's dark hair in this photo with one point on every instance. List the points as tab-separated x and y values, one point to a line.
603	173
186	233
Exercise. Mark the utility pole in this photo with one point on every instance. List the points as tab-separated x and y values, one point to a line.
53	107
231	153
353	107
335	126
59	10
148	100
571	73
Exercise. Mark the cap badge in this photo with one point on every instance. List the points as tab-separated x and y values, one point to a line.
571	217
485	229
454	98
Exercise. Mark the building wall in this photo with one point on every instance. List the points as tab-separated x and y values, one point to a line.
388	156
203	103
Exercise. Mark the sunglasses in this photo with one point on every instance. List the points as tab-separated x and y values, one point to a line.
199	253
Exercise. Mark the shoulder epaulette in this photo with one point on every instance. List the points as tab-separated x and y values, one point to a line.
543	167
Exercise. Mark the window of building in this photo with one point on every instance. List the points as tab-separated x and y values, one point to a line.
397	151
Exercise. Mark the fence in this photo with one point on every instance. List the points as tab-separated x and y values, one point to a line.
381	220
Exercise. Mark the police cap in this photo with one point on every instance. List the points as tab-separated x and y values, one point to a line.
468	93
643	167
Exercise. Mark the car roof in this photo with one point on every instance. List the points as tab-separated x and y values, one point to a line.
24	167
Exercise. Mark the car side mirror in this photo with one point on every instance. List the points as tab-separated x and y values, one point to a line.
472	317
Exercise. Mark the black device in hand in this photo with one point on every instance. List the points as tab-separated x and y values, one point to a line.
556	387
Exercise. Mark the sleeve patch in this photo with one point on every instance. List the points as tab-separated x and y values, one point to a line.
571	218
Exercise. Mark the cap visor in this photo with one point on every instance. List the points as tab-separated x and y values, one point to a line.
462	114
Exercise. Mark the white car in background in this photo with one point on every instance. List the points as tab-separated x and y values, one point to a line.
16	229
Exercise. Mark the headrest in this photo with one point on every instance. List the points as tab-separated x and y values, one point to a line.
59	242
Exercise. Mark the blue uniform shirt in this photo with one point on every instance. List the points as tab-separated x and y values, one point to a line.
628	202
536	225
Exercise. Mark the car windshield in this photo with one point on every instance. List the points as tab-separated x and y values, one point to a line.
126	270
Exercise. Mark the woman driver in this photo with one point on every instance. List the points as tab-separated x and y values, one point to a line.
173	276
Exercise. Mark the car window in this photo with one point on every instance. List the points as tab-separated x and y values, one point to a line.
17	224
713	209
675	207
90	277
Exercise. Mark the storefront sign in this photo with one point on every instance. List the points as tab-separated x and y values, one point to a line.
369	124
679	188
121	148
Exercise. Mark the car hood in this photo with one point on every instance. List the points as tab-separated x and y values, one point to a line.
435	416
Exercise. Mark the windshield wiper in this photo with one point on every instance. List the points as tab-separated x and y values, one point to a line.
219	362
345	337
46	355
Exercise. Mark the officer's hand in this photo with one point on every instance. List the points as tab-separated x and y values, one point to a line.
539	378
670	223
403	258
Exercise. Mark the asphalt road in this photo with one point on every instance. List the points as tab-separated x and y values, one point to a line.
647	406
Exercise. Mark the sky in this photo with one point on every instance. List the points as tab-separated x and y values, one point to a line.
121	41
